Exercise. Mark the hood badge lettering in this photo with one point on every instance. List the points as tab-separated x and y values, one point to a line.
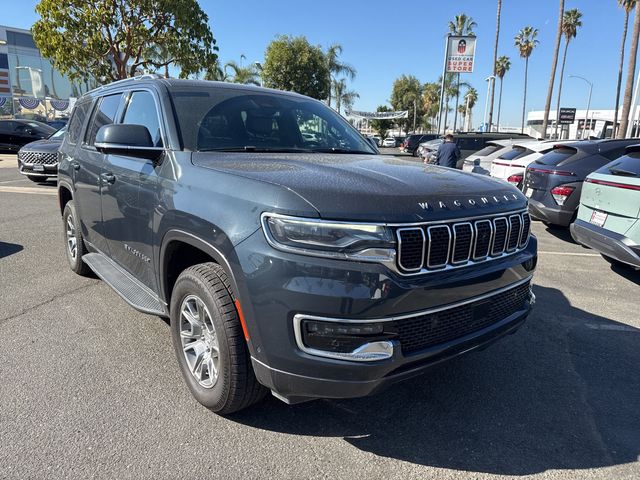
471	202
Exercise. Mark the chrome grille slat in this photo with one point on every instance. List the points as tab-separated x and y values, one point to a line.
38	158
440	246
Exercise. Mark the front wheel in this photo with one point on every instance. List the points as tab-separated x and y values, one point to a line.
74	243
209	343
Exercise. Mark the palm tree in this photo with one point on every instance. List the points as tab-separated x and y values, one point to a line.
570	24
343	96
503	64
336	67
471	97
495	60
216	73
626	103
628	6
430	101
461	25
245	75
552	77
451	89
525	42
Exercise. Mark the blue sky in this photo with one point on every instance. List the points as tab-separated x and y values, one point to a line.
384	40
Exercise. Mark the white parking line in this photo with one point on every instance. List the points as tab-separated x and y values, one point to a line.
617	328
571	254
14	181
28	190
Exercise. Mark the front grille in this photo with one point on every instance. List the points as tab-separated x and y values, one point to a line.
38	158
425	331
436	247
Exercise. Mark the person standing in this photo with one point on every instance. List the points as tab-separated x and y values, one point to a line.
448	153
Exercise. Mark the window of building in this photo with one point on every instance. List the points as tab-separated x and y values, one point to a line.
19	39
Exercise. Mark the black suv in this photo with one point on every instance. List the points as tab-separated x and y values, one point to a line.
553	182
311	266
412	142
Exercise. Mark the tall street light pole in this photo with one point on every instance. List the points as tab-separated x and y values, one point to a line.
586	117
489	79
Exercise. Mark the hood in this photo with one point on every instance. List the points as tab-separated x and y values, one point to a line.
45	146
372	187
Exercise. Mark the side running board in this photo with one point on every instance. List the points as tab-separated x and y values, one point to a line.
130	289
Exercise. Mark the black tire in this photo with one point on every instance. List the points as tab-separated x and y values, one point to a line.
36	179
75	263
236	386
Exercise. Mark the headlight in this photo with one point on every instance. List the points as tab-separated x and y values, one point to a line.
365	242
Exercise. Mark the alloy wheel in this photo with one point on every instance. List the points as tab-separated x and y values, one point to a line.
72	239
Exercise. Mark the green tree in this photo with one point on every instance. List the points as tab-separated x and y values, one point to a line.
430	102
216	72
628	89
461	25
407	95
627	5
554	65
246	75
292	64
503	64
337	67
114	39
495	60
525	42
570	24
343	96
381	127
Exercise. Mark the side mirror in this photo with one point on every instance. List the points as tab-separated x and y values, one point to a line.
130	140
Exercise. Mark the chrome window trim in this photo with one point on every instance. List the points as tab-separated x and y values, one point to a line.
471	243
506	237
446	261
399	249
491	234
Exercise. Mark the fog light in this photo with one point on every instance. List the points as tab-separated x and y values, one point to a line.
364	341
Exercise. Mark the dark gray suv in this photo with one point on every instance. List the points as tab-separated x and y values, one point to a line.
288	255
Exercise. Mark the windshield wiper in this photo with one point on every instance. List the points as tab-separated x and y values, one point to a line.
252	148
620	171
342	150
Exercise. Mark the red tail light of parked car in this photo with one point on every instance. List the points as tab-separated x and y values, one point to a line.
561	193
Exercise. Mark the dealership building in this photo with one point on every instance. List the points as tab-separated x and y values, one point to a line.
29	85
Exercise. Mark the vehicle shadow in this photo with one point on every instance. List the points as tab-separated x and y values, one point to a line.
7	249
560	394
561	233
627	272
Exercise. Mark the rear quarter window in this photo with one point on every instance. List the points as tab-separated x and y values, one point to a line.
488	150
513	153
76	123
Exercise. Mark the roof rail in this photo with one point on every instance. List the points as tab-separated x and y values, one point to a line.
126	80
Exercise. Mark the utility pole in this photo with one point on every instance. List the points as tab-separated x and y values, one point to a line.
414	115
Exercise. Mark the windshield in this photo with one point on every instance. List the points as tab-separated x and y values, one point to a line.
556	156
216	118
59	133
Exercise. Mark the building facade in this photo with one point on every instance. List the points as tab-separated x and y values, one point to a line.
587	124
29	85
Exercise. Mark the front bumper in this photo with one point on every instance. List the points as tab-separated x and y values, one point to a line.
274	287
555	215
606	242
37	170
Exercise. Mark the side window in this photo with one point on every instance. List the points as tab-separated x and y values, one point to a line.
77	121
6	127
141	110
104	114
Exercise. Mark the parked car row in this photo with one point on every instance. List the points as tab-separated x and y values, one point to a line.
591	186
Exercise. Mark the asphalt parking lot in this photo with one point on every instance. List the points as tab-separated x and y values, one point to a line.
90	388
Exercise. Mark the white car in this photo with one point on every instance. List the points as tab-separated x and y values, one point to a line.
389	142
480	162
512	165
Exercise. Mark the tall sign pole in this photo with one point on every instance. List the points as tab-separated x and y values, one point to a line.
444	73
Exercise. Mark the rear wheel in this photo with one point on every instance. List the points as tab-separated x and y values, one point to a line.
74	243
209	343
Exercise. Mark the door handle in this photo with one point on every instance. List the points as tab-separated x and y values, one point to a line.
109	177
